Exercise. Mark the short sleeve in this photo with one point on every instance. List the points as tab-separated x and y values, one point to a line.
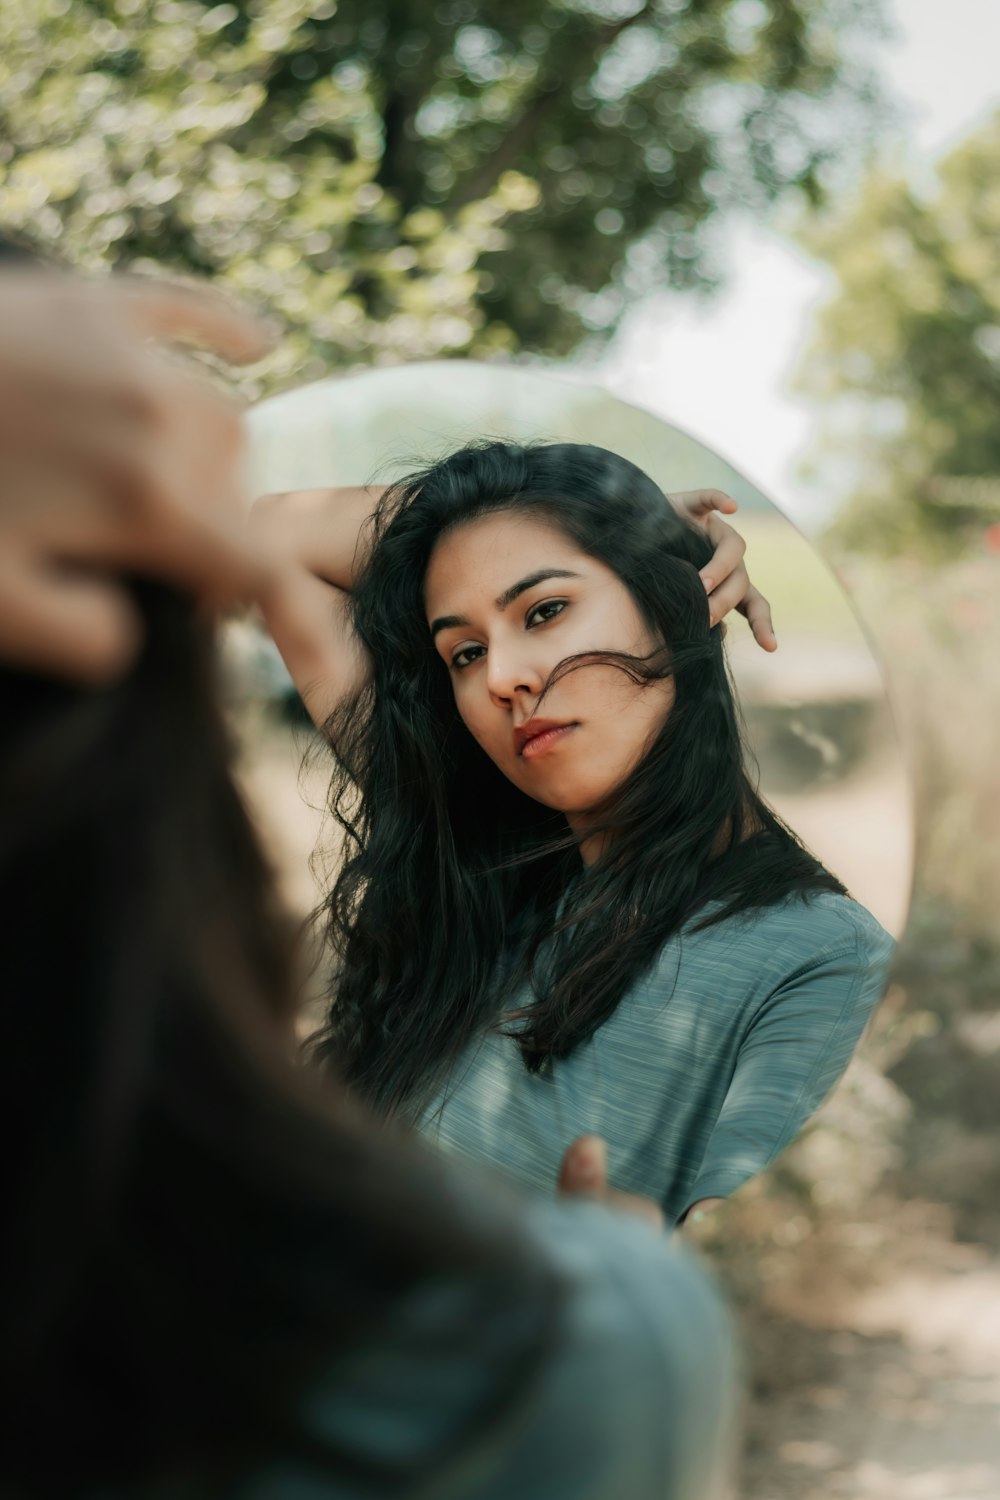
795	1051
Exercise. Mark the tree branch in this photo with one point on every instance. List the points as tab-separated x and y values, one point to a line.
479	182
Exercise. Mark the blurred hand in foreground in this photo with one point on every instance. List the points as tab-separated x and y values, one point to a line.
113	461
584	1174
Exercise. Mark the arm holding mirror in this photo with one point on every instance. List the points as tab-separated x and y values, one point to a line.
793	1055
794	1052
725	1050
315	541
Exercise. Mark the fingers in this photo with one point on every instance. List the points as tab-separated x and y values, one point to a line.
695	505
186	508
80	628
198	315
584	1173
727	559
641	1208
192	551
584	1167
728	595
728	584
755	608
114	462
163	496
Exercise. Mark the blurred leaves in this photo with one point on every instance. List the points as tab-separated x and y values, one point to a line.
401	179
907	360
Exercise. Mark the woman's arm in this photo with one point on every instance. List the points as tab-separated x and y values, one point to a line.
316	540
794	1053
322	531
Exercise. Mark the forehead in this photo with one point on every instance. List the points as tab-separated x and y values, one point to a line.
489	554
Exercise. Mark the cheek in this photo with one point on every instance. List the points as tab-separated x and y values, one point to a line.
477	718
632	719
608	696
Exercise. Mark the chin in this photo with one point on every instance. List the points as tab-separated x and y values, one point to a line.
571	801
551	800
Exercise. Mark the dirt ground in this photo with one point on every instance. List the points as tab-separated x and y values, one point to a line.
873	1353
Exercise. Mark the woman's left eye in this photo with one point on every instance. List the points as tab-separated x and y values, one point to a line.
547	610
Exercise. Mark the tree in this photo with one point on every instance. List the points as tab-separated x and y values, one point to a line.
411	178
907	356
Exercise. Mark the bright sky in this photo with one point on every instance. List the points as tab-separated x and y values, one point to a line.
722	369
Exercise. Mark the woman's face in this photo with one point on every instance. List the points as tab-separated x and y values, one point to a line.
509	596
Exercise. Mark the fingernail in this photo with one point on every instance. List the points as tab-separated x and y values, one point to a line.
709	584
587	1165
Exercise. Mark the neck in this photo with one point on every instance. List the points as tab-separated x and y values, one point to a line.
591	848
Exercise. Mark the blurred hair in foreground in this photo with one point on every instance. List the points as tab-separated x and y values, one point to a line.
195	1231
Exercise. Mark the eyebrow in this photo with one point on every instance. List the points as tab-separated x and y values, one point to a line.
445	622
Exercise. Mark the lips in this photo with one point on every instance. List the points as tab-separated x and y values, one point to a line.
534	729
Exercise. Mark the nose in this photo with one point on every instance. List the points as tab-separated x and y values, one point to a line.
510	672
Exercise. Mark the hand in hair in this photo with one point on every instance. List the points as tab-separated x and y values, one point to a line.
584	1174
112	461
725	576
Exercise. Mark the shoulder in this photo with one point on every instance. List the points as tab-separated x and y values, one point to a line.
629	1285
798	931
641	1346
824	922
738	962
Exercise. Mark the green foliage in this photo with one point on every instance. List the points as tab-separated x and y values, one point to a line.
908	355
403	179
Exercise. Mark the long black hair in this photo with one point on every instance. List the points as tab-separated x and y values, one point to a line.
196	1229
444	858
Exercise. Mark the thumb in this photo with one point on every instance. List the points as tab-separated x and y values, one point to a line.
584	1167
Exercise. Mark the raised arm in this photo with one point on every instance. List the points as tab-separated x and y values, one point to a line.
317	540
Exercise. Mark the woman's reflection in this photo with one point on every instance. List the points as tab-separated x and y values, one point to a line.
563	906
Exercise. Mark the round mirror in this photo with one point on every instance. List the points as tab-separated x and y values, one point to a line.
816	711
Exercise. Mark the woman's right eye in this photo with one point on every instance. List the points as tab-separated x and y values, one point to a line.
457	661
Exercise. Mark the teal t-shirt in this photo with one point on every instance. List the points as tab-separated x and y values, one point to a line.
706	1070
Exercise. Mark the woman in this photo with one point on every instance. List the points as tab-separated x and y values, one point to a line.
220	1279
564	907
